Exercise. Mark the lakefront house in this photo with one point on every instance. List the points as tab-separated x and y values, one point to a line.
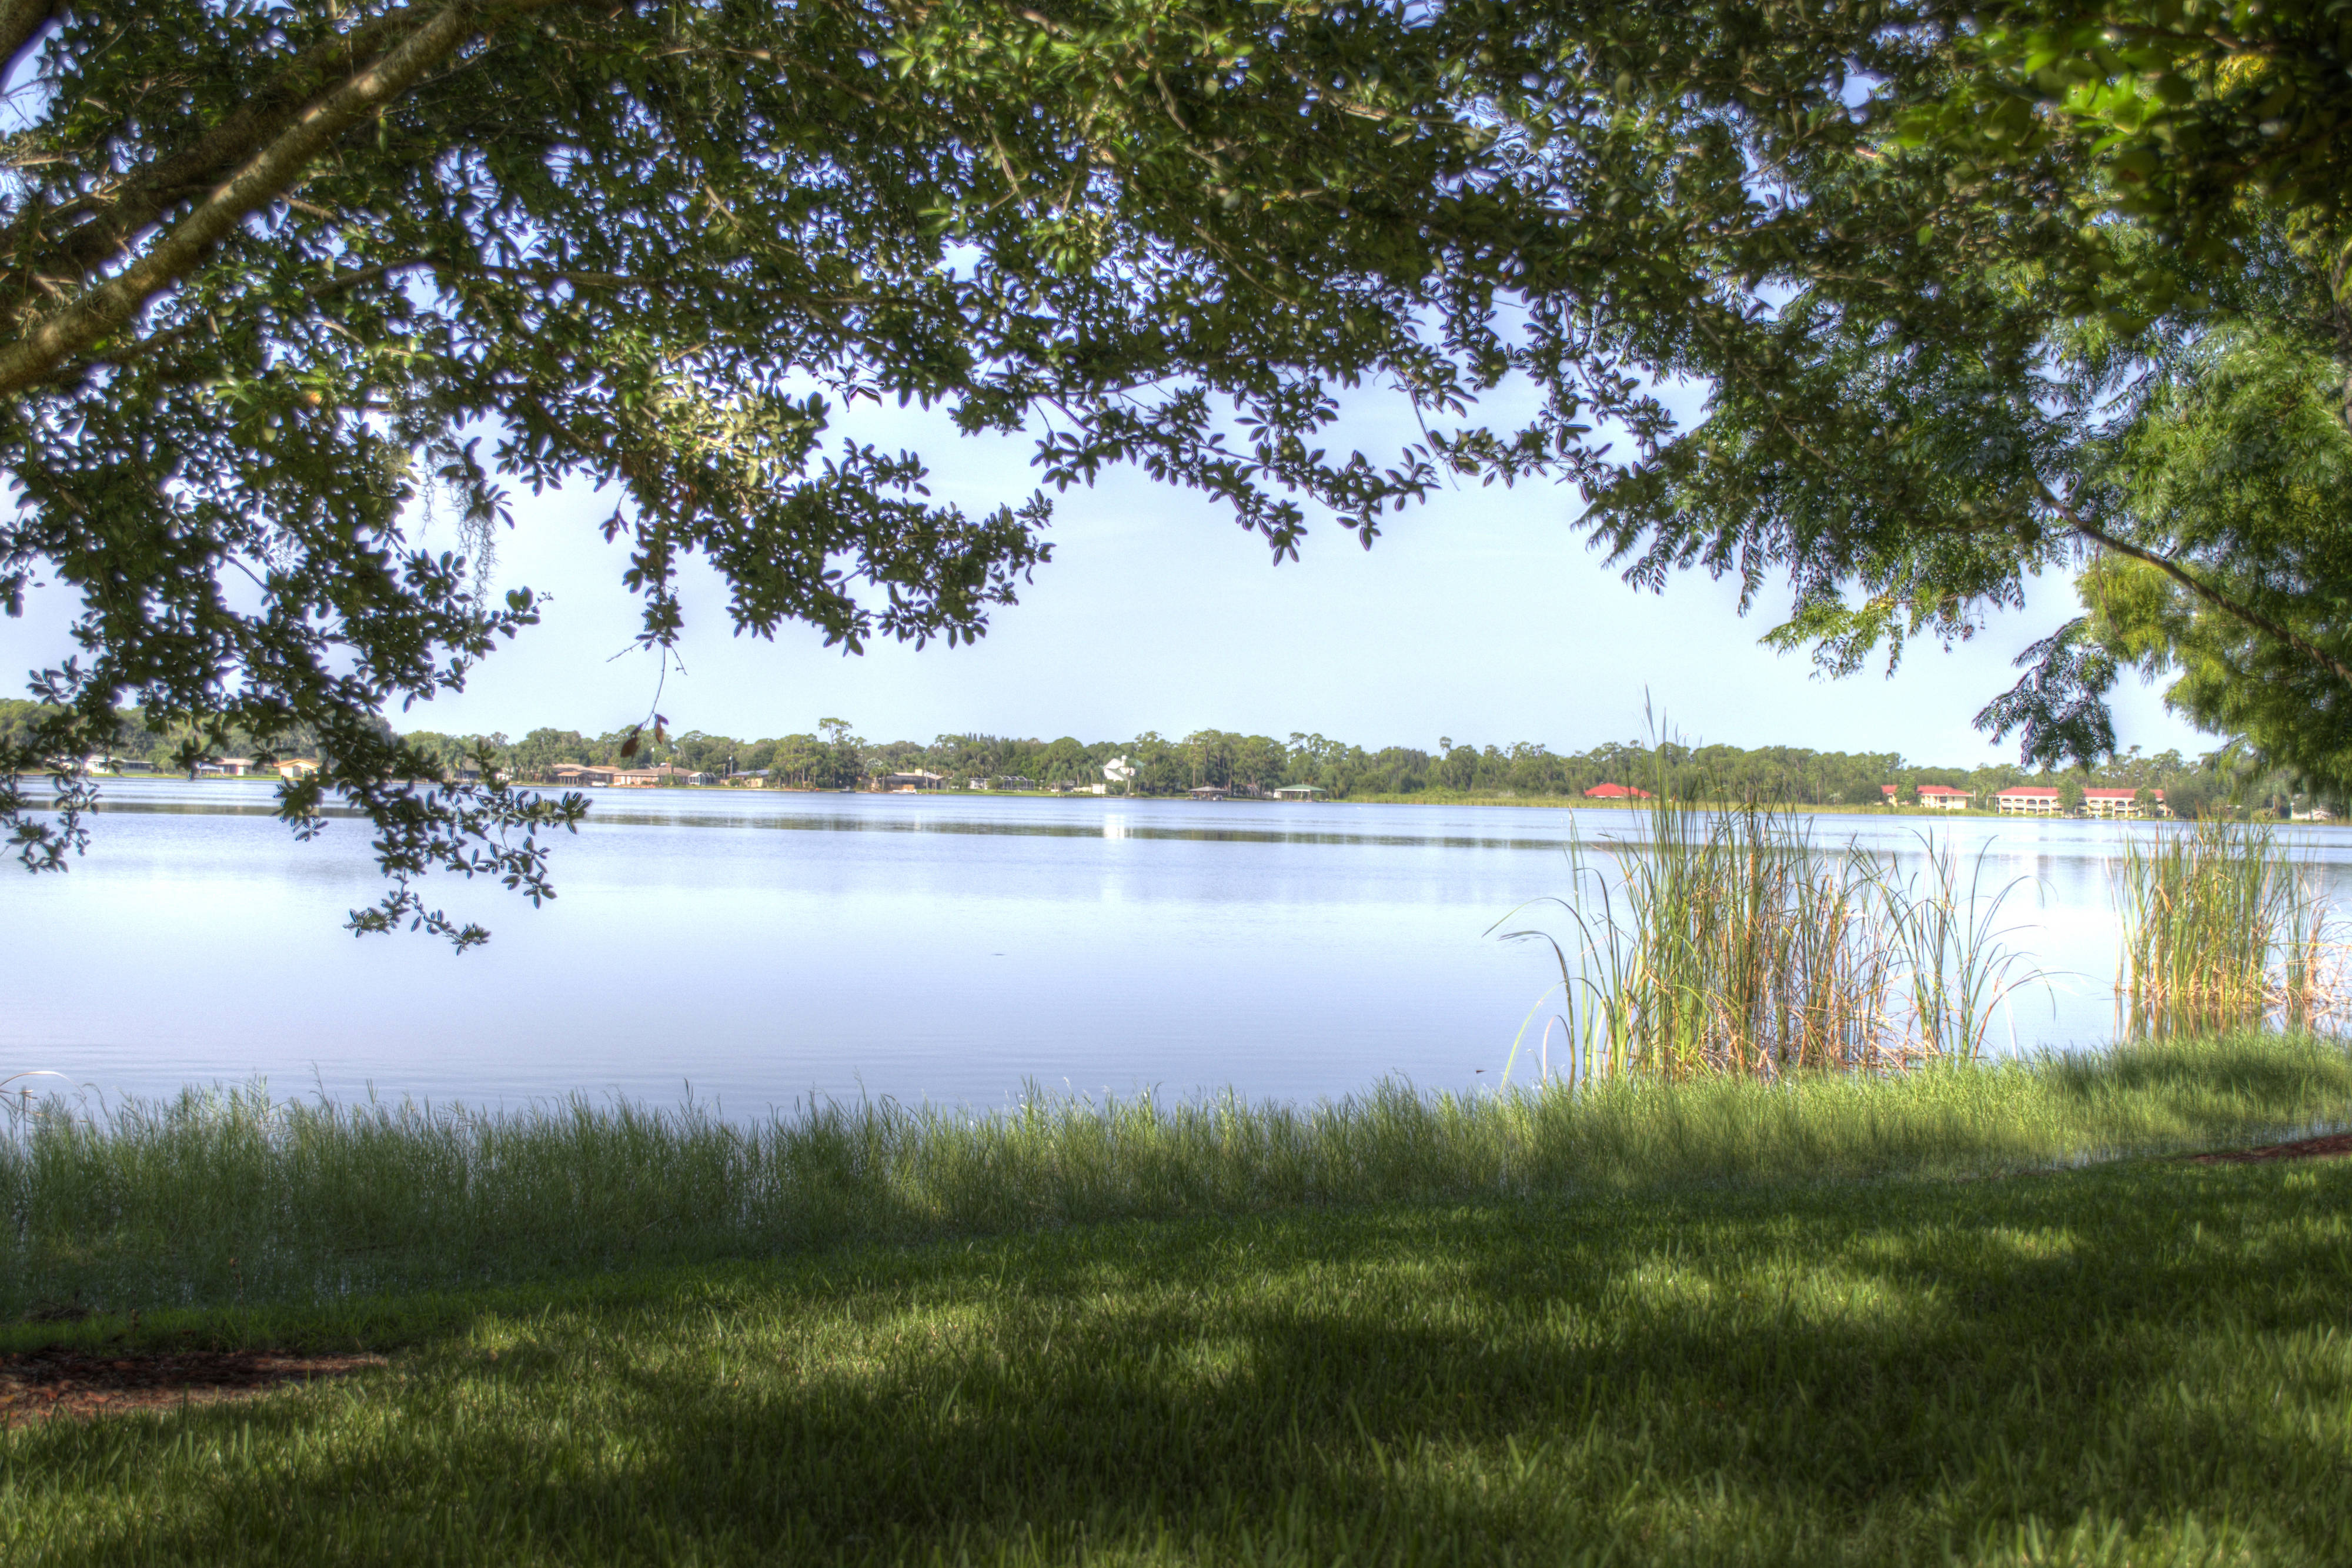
2029	801
2122	803
1933	797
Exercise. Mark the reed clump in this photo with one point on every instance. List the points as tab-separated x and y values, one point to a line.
1728	942
225	1196
2224	925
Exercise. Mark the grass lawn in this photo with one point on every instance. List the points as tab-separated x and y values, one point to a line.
2148	1362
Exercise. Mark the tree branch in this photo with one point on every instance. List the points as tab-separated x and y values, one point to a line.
114	303
2210	595
114	215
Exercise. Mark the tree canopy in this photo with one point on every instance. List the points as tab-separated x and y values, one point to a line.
279	278
2120	337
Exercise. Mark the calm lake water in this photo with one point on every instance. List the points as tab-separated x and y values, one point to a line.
754	949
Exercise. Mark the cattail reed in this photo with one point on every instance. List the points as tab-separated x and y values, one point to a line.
1729	944
2223	925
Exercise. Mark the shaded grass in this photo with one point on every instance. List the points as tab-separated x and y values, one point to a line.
227	1198
2142	1363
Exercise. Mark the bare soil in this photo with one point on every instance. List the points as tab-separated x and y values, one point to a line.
2328	1147
37	1384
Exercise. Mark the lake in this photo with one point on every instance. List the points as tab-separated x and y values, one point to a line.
753	949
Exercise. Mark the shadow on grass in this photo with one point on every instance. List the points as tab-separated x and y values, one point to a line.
2240	1066
2136	1364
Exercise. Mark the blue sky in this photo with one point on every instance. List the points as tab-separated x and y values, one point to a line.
1483	617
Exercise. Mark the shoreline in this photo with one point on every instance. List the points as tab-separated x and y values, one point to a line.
1432	797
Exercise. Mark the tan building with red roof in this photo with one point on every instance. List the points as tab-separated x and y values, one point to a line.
1933	797
2121	803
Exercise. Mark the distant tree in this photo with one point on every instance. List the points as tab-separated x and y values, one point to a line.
1065	762
845	754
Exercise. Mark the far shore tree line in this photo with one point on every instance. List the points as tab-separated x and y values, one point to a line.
833	758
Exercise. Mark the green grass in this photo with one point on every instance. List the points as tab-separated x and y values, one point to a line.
218	1197
1846	1319
2144	1363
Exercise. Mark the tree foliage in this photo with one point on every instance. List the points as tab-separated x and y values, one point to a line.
277	277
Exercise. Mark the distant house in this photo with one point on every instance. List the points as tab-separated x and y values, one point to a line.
1209	792
1617	792
1006	781
579	777
1934	797
2029	801
2119	803
297	767
756	778
1298	791
227	766
909	783
653	777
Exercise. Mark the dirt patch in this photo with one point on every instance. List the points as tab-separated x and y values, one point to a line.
36	1384
2328	1147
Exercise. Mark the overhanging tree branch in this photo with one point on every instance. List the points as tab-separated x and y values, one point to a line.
114	303
2210	595
114	215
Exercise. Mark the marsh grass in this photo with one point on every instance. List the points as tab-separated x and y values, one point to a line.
229	1196
2223	926
1729	942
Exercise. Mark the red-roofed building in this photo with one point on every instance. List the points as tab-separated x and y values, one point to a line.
1933	797
1616	792
2121	803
